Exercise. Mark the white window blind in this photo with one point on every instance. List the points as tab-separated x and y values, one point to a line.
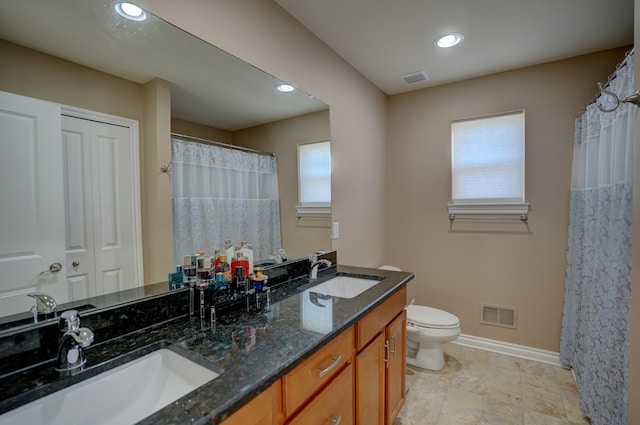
488	157
314	178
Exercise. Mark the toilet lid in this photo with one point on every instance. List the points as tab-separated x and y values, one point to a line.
431	317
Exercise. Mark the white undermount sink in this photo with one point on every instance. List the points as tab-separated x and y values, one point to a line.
123	395
344	286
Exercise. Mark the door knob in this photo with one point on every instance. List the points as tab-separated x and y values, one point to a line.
75	264
55	267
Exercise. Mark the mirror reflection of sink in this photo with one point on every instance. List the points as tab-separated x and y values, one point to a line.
123	395
344	286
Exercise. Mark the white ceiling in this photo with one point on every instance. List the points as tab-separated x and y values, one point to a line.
385	39
208	86
382	39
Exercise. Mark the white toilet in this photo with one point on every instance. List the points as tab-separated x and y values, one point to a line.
427	330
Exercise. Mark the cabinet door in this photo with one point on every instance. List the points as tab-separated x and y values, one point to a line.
370	378
395	372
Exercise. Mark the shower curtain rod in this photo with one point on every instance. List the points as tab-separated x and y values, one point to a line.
187	138
220	144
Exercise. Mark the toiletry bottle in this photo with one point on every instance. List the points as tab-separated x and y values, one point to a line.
225	269
259	280
189	269
203	269
216	258
175	279
228	249
247	252
241	261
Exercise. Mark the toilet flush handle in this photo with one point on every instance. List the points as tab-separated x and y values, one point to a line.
412	329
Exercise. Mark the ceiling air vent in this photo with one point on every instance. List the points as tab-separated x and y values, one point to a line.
415	78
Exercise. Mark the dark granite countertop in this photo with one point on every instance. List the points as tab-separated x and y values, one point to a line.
249	350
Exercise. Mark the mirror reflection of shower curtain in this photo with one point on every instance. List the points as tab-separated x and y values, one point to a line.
596	316
221	193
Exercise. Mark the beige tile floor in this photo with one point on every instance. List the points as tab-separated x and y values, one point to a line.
479	387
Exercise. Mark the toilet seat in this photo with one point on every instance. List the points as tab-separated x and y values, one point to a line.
429	317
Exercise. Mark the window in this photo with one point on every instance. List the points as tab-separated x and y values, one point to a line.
487	160
314	178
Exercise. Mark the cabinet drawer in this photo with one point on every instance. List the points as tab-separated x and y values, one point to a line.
305	380
374	322
333	405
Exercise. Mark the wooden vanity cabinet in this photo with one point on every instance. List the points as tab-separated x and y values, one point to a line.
264	409
381	362
357	378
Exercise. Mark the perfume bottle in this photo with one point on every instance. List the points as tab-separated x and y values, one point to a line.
189	269
225	269
241	261
259	280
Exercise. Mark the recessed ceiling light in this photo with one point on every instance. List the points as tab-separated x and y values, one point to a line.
131	11
449	40
285	88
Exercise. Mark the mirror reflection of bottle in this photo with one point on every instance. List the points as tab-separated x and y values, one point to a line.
237	283
203	289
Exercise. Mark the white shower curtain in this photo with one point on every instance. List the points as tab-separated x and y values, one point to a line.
596	316
221	193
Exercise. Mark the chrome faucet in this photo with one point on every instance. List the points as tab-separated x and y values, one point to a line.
73	340
45	305
315	265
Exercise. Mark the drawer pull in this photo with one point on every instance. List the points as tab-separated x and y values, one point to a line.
336	421
330	367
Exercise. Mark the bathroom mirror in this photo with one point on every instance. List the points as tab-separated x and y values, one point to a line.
210	89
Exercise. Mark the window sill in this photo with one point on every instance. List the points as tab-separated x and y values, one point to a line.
316	210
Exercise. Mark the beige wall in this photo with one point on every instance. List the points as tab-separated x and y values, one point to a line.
261	33
157	212
203	131
300	237
50	78
458	266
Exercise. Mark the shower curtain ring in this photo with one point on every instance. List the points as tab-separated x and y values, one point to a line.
617	99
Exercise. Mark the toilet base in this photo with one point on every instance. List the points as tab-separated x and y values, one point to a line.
428	356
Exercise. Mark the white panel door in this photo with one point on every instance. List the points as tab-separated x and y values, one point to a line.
100	207
32	207
78	207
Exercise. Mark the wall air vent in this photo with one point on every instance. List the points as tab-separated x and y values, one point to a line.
499	316
415	78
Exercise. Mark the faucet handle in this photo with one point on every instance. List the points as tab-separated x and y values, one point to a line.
69	320
45	303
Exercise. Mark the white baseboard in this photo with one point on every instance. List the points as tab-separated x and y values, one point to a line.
521	351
